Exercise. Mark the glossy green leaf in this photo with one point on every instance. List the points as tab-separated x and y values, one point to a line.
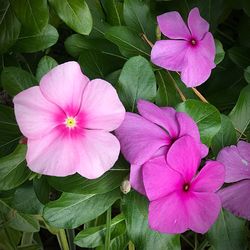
120	242
14	80
33	15
206	116
75	13
240	115
44	66
129	43
137	81
113	9
29	43
135	208
73	210
220	53
228	232
13	169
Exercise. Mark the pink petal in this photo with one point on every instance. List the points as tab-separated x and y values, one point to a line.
164	118
136	179
237	168
159	179
169	214
64	85
184	157
140	139
236	198
202	211
101	106
187	126
35	115
197	25
172	25
98	151
207	47
53	154
169	54
210	178
244	150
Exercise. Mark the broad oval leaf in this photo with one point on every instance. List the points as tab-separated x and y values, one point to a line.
44	66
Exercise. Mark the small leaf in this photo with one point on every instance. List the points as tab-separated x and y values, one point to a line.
220	53
44	66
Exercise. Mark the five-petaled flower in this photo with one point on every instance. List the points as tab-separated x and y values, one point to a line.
67	120
180	199
236	197
190	50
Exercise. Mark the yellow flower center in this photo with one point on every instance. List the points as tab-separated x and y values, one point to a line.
70	122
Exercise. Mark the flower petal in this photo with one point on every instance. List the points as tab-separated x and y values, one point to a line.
140	138
207	47
244	150
172	25
159	179
101	106
210	178
136	179
168	214
169	54
35	115
64	85
202	210
98	151
184	157
236	167
164	118
197	25
236	198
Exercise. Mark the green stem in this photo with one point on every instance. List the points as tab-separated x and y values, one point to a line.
131	246
195	241
71	236
187	241
108	229
27	238
62	239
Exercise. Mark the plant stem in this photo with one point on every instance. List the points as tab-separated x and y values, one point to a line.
108	229
27	239
187	241
202	98
195	241
144	37
62	239
131	246
71	236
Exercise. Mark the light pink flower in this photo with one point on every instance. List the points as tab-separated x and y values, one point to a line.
151	134
236	197
67	120
191	49
180	199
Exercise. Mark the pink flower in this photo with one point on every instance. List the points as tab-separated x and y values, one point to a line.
191	50
151	134
67	120
236	197
179	199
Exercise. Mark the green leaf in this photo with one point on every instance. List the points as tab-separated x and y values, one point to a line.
13	169
138	17
129	43
135	208
220	53
73	210
247	74
120	242
137	81
240	56
9	238
228	232
75	13
226	135
205	115
113	9
240	115
9	26
29	43
44	66
33	15
95	236
15	80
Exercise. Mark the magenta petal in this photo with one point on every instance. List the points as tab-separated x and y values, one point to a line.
244	151
184	156
203	210
159	179
236	198
164	118
237	168
172	25
197	25
169	214
210	178
207	47
136	180
169	54
140	138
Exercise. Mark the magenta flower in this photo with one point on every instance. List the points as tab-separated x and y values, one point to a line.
67	120
236	197
151	134
180	199
191	49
